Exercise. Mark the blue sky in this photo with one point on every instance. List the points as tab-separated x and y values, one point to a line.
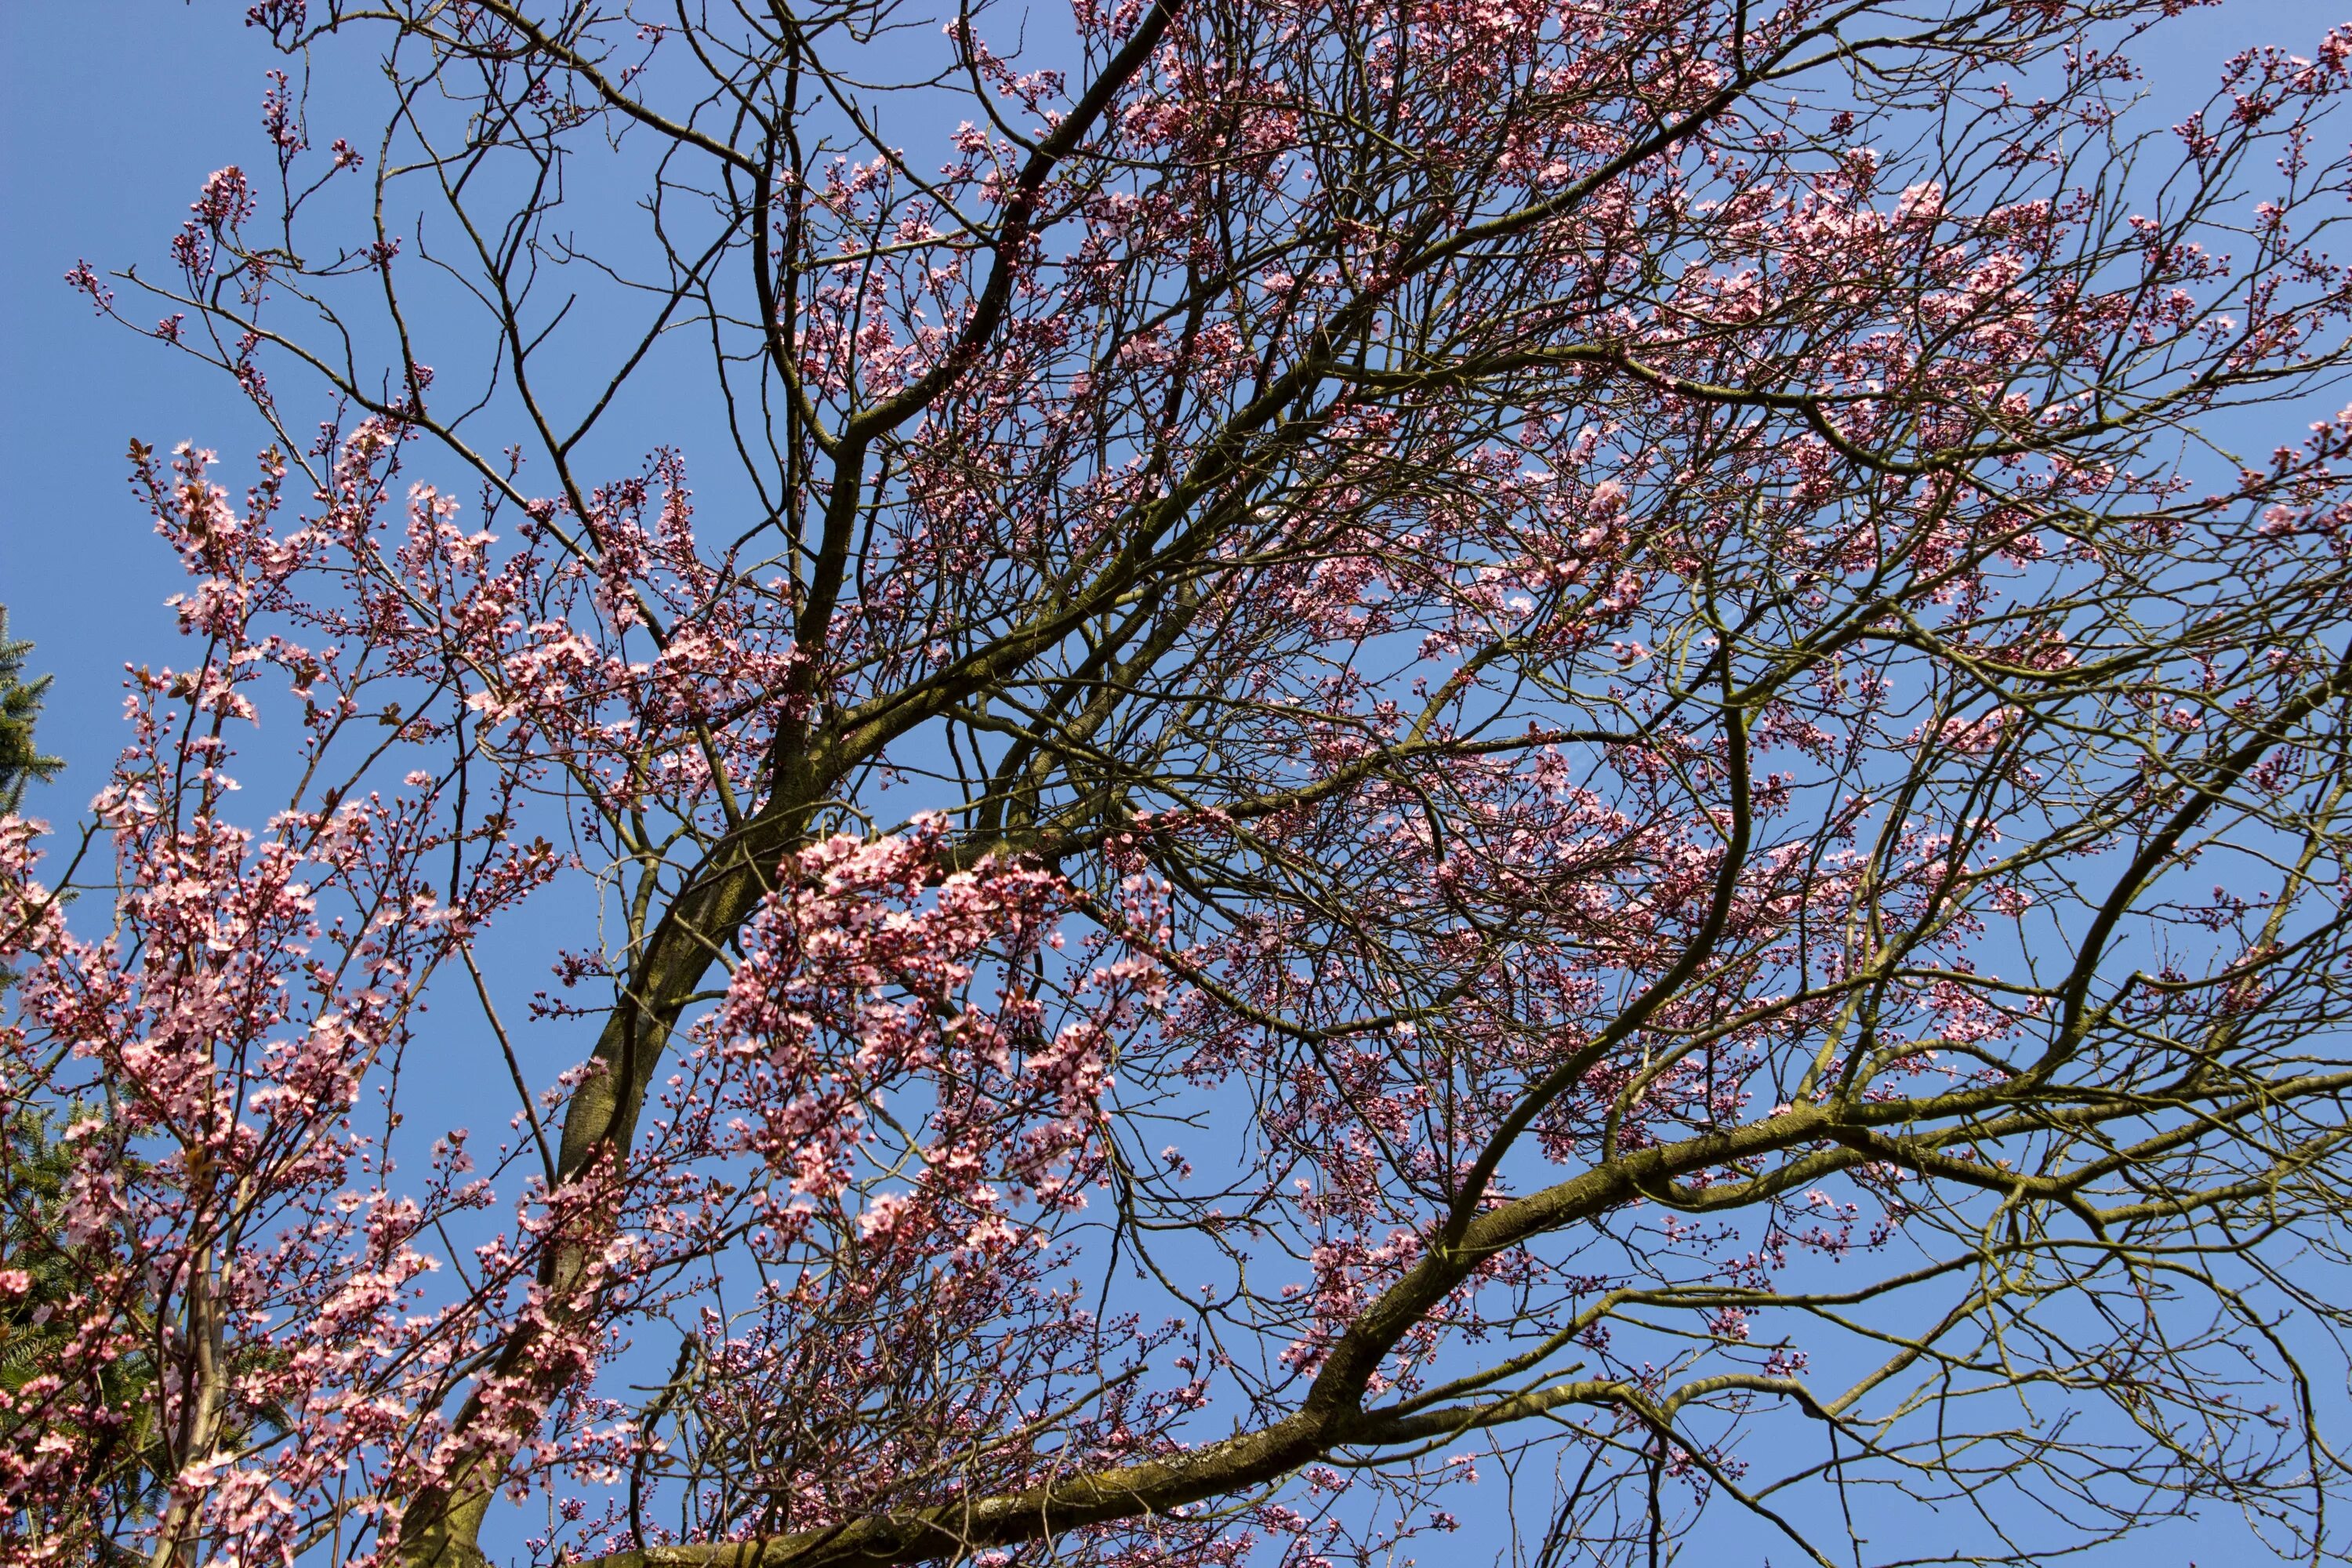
114	112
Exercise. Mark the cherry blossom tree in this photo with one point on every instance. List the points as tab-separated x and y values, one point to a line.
1342	764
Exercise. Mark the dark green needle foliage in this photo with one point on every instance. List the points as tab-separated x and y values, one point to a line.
20	703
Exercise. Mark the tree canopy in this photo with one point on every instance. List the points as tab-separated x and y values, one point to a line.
1341	763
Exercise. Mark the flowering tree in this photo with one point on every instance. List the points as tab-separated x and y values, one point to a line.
1399	746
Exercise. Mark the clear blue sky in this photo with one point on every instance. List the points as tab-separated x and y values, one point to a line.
112	112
